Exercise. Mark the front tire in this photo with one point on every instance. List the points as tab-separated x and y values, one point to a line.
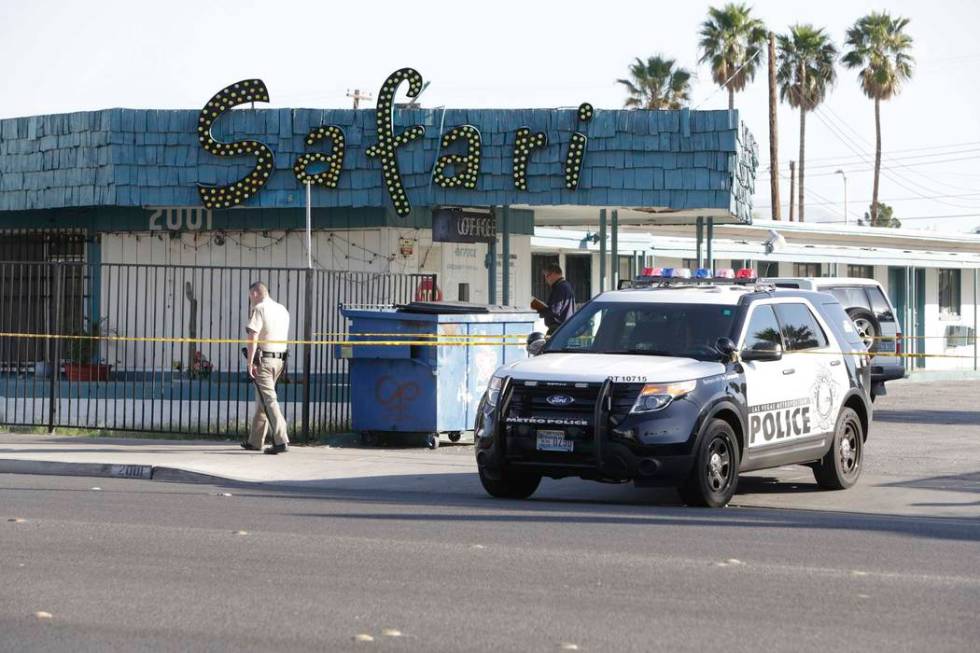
715	475
511	484
841	467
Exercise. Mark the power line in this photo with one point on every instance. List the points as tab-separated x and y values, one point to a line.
894	177
837	160
891	167
927	217
885	200
832	115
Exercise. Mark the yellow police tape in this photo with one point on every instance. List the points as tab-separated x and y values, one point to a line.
445	341
501	336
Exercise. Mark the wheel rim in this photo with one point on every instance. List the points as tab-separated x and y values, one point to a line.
718	465
849	450
866	331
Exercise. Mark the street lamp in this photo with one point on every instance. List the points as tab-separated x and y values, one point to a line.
841	173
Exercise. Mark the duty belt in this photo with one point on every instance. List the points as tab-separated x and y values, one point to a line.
273	354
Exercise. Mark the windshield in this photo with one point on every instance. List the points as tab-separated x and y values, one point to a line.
684	330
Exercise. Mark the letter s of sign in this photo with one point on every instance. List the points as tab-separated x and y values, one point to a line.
467	165
388	143
335	160
243	92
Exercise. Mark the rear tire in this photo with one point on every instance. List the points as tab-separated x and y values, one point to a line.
841	467
511	484
715	475
867	327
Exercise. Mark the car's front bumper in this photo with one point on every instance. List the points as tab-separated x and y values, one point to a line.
649	449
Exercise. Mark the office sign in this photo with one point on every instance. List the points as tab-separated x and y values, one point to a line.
455	226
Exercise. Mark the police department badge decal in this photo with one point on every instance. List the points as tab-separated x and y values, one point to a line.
824	394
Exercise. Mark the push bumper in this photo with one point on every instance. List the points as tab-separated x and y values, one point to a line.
604	454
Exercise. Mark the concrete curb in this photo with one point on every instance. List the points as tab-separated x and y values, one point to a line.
103	470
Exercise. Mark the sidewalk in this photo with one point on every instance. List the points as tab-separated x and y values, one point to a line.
211	461
449	474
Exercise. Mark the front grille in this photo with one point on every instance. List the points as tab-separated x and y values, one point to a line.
529	411
531	401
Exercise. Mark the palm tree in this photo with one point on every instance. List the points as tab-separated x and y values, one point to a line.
880	48
805	73
732	41
657	84
886	217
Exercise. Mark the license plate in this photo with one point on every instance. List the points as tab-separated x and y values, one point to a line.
554	441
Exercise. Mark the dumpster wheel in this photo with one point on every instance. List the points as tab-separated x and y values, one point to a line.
370	439
454	436
432	440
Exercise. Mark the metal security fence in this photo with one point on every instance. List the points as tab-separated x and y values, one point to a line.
115	363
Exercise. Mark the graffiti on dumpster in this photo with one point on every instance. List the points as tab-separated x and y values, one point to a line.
394	396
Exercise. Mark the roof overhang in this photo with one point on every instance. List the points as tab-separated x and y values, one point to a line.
588	216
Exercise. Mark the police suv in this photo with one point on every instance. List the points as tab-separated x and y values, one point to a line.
684	382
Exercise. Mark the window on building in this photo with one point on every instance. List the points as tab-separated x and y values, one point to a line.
578	271
689	263
806	270
766	269
799	328
739	263
626	268
949	292
861	271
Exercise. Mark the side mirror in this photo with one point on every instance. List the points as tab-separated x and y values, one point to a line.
725	347
772	351
535	343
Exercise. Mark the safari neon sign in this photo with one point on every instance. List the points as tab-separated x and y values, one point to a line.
464	164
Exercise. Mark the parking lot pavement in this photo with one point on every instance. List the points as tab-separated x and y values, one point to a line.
922	458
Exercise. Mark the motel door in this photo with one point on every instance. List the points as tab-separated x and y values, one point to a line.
907	292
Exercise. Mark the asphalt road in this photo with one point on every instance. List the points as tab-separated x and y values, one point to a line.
432	564
139	565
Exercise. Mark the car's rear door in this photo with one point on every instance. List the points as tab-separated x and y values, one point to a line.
818	362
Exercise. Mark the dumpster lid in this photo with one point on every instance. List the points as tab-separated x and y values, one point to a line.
454	308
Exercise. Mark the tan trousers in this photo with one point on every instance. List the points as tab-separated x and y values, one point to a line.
268	417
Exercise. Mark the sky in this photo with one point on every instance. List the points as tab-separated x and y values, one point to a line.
71	55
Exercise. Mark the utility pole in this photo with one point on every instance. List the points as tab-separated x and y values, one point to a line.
773	133
792	187
357	96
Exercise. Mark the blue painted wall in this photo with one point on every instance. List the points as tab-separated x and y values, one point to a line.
130	158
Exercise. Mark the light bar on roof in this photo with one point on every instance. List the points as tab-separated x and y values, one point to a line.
725	273
745	273
702	273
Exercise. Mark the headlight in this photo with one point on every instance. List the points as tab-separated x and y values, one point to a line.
493	390
657	396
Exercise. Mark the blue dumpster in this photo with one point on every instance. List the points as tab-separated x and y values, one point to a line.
426	389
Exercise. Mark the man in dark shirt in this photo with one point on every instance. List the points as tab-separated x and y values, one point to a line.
561	299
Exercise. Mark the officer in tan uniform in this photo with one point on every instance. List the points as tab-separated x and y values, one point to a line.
268	329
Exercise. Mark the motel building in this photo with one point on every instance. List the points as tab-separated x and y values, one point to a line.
147	223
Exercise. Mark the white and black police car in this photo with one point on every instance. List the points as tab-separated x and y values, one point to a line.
684	382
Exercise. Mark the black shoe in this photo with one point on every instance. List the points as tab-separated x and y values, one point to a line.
276	448
248	446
